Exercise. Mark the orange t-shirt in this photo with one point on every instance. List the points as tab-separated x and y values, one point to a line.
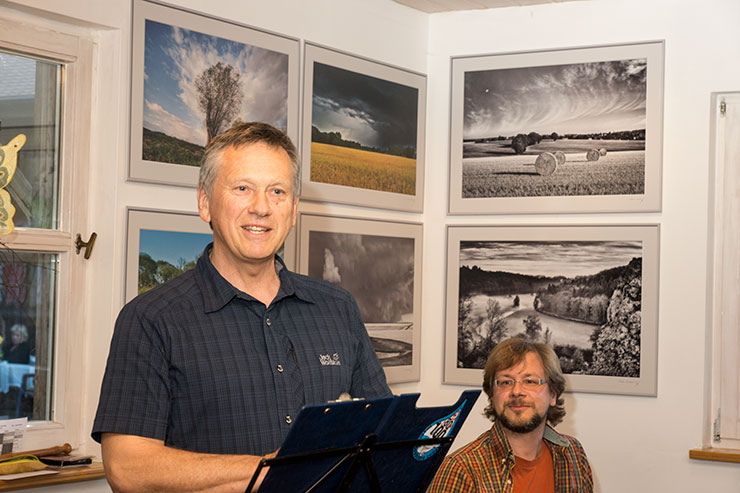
535	476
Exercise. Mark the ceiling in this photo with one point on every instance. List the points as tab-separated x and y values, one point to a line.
432	6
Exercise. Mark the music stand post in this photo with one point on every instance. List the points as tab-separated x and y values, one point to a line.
398	446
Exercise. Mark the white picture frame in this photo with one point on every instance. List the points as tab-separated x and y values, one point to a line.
509	112
499	276
389	299
169	236
337	84
181	45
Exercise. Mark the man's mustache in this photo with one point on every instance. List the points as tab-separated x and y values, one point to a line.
517	402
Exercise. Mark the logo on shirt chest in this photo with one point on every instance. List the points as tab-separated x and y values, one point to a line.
329	359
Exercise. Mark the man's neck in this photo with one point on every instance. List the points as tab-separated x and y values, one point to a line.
259	280
526	445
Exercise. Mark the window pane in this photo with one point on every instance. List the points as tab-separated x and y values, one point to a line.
29	104
27	302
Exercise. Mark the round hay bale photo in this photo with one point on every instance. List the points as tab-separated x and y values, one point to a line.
546	164
560	156
593	155
602	151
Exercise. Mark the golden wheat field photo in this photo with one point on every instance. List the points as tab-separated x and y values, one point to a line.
362	169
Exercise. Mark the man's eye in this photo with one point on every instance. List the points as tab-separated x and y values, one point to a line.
531	381
241	188
505	383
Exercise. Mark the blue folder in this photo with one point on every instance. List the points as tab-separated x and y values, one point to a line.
375	445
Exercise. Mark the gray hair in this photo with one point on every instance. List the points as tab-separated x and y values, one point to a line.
241	135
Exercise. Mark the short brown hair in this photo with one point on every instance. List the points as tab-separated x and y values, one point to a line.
511	352
241	135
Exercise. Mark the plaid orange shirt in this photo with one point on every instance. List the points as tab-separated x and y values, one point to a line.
485	465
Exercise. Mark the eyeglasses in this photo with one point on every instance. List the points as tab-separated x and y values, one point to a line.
526	383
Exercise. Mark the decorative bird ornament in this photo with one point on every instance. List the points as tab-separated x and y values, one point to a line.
8	163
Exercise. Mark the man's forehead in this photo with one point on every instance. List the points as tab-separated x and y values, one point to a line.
529	363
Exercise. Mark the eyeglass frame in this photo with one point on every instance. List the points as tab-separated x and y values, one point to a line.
540	382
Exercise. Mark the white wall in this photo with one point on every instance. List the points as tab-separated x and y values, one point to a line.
635	443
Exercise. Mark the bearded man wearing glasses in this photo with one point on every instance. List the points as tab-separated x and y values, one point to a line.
520	452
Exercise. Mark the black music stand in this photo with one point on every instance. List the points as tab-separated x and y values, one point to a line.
374	446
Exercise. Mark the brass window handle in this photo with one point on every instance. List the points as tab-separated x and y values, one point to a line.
87	245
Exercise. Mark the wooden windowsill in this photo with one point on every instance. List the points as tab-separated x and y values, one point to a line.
716	454
71	475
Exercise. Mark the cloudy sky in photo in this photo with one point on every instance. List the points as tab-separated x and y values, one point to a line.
175	57
575	98
364	109
548	258
377	270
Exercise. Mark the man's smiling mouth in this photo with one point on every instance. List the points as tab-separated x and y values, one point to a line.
256	229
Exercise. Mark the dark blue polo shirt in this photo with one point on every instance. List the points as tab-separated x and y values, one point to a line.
207	368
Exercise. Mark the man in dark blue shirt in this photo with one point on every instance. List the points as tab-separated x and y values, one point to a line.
207	372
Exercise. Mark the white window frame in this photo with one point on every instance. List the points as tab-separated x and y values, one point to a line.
722	426
72	46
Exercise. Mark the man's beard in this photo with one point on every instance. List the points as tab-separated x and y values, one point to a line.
528	426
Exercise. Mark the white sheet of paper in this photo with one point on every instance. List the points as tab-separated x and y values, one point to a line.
12	432
28	474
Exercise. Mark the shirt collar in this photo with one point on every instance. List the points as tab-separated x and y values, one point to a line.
552	436
217	291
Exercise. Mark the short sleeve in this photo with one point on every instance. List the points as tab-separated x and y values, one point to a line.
135	394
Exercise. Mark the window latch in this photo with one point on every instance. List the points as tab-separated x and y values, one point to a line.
87	245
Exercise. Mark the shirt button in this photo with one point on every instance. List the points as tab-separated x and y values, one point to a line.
288	419
267	321
280	368
508	481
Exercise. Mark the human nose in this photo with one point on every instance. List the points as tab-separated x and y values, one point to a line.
259	204
517	387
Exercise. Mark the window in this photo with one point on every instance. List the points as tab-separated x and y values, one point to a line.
45	87
724	288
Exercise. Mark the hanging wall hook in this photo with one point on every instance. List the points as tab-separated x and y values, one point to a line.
87	245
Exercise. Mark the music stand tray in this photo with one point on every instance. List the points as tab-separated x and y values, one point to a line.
375	445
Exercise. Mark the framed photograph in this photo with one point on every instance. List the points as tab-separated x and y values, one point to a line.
161	245
379	262
591	292
363	132
562	131
193	77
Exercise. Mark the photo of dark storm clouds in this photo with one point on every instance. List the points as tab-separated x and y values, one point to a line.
373	112
582	98
379	272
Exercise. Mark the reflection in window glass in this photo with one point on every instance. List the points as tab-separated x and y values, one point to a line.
30	105
27	294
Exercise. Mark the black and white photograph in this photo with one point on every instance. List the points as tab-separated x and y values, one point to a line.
363	130
531	133
377	262
195	77
584	291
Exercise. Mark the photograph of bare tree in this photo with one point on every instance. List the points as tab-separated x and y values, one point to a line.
377	262
557	130
197	85
584	297
194	77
